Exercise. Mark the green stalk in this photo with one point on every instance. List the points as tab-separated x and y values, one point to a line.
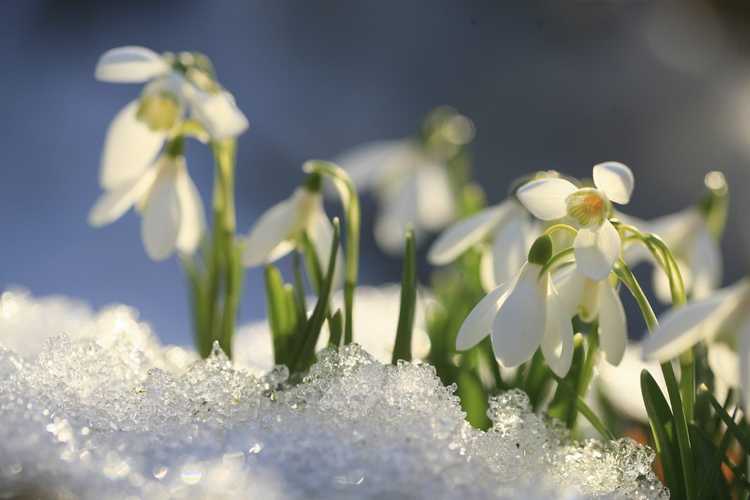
673	388
402	347
350	201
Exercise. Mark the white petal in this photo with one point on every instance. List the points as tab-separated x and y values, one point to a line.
112	204
519	325
478	324
219	114
435	204
161	215
660	280
683	327
724	362
130	147
596	250
129	64
557	343
398	210
510	246
613	327
705	262
615	180
368	162
545	198
193	220
267	240
569	284
466	233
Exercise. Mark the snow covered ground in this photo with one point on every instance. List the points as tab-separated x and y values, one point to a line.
93	406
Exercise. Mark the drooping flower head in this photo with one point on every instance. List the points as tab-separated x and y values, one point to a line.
597	244
410	177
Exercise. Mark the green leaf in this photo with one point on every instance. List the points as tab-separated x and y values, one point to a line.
661	422
336	326
306	350
473	399
740	434
278	307
584	409
402	347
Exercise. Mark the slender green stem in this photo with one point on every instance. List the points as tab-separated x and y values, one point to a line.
560	257
402	346
587	371
673	389
349	199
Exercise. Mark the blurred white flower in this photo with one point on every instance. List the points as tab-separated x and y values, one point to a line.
520	316
597	244
279	229
592	300
168	201
696	250
725	312
410	177
375	323
510	232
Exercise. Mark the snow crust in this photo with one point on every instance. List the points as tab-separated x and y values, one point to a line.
92	406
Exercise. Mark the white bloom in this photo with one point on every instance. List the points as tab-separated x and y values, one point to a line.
506	226
696	250
725	311
277	231
597	244
411	185
590	300
522	315
168	201
139	131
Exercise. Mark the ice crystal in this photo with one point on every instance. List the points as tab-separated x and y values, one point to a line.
104	411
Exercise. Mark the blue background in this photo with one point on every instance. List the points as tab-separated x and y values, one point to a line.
553	84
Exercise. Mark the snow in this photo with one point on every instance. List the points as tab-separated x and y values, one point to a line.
93	406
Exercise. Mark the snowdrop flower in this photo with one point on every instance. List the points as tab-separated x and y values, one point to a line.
725	311
592	300
693	243
278	231
168	201
597	244
521	315
509	229
410	178
176	86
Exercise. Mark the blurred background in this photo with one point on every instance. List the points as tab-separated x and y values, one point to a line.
663	87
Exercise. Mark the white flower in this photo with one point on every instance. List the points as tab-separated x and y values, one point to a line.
508	228
597	244
591	299
411	184
277	231
725	311
520	316
168	201
139	131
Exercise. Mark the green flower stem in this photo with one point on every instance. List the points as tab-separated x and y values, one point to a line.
587	371
350	201
673	389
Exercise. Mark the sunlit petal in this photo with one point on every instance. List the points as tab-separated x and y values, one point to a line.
193	220
366	163
613	328
466	233
683	327
557	343
478	324
511	244
398	211
518	327
435	205
219	114
130	147
129	64
161	215
660	280
570	285
705	262
615	180
271	230
112	204
596	250
545	198
724	363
